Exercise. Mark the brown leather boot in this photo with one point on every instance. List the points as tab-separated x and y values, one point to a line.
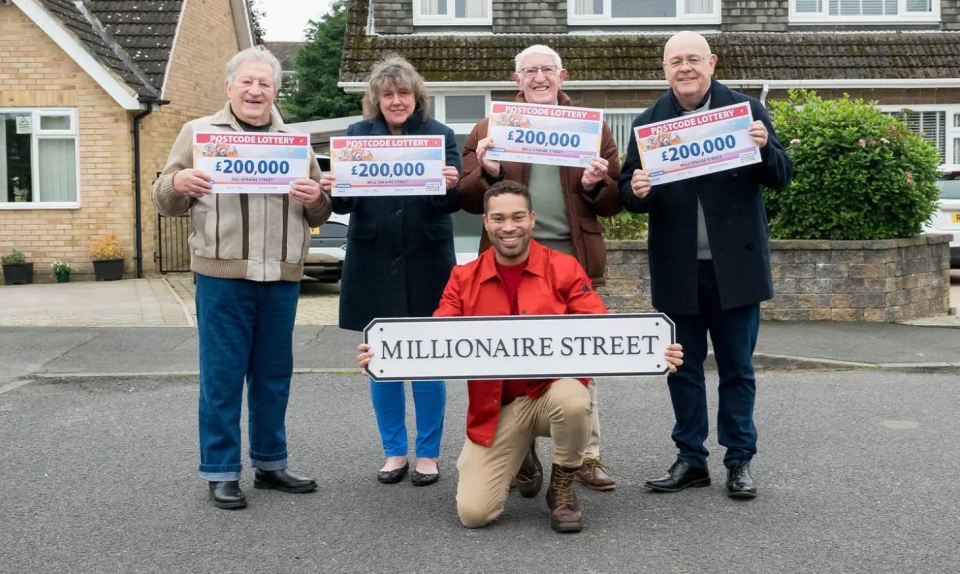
529	479
566	514
596	476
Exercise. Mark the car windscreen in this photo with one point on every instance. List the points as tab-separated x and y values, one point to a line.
949	188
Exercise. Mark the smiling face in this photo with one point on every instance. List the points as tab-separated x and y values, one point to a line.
509	224
540	79
252	92
688	66
397	103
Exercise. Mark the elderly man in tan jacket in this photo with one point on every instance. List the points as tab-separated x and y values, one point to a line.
247	251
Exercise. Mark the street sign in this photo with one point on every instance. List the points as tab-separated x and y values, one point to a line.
518	347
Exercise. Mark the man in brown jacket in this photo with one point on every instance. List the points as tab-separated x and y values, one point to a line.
568	199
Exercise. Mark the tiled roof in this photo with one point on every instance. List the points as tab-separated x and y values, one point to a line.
285	52
137	38
742	56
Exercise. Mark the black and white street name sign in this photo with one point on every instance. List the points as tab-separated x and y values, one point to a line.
518	347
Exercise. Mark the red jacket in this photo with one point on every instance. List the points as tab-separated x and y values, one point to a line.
553	283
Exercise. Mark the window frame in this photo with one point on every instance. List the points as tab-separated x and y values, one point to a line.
439	110
37	134
902	16
607	19
950	132
421	19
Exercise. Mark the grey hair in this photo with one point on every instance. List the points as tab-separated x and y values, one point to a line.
396	71
537	49
255	54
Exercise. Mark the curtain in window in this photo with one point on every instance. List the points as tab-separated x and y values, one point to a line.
58	170
432	7
588	7
644	8
471	8
699	6
4	191
919	6
809	6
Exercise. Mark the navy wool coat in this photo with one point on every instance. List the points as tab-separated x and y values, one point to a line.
732	208
399	249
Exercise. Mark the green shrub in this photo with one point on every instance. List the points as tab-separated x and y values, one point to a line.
625	225
858	174
15	258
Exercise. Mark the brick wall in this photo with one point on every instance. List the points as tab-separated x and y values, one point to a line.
883	281
37	73
195	88
754	15
393	16
526	16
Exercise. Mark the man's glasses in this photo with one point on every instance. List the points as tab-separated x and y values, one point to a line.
532	71
692	61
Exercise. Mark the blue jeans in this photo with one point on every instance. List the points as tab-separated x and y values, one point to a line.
734	336
429	399
246	333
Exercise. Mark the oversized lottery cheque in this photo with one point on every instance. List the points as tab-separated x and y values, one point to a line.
388	165
251	162
552	135
697	144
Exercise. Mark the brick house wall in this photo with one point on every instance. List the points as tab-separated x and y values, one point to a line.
37	73
195	88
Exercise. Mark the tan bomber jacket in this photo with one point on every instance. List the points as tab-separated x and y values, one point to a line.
260	237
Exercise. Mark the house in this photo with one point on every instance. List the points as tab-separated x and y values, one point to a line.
92	95
900	53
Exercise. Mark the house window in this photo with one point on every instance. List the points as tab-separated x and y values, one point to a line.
451	12
820	11
38	158
938	125
460	112
592	12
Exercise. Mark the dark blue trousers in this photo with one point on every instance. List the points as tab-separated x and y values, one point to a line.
733	333
246	334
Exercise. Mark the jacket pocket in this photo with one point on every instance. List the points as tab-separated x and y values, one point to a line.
438	231
362	231
591	225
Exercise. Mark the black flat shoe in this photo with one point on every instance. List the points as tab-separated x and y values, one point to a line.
681	475
739	482
420	479
393	476
283	480
227	495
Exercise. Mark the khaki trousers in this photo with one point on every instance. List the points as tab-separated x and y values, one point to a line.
593	444
563	412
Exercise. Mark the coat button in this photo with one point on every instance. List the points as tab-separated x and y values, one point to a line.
399	212
749	246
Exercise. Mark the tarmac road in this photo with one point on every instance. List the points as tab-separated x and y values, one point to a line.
854	472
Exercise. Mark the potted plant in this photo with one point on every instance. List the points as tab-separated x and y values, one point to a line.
16	270
61	271
107	255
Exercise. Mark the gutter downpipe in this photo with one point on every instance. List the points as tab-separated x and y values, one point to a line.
763	94
137	180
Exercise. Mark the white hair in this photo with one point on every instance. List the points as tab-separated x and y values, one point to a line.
537	49
255	54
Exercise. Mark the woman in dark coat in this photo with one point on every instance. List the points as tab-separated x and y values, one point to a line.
399	255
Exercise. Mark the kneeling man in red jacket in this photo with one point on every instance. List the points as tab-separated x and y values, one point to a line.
519	276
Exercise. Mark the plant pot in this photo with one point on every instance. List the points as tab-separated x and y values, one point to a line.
19	274
62	277
108	270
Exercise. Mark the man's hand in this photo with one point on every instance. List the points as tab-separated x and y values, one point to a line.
192	183
451	176
306	191
758	133
363	359
674	355
492	167
594	174
640	183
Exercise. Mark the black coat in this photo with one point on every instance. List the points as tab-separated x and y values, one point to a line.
399	249
732	207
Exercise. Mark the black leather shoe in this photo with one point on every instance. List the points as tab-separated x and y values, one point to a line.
739	481
284	481
393	476
681	475
421	479
227	495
